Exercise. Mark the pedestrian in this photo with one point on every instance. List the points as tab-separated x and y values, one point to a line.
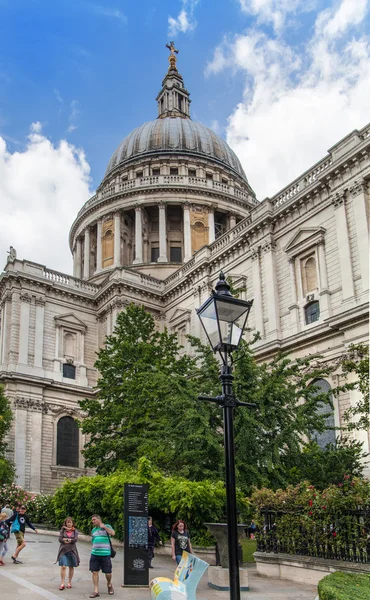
153	537
4	536
180	540
101	554
68	553
7	510
18	522
252	530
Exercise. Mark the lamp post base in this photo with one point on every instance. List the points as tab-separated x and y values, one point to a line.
218	579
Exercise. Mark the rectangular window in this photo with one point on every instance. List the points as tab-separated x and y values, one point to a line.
192	173
174	171
312	312
175	254
155	171
154	226
139	173
209	176
69	371
154	255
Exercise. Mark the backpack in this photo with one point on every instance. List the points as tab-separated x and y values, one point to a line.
4	531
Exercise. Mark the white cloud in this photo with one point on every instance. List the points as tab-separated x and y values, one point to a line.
106	11
275	12
297	101
41	190
72	118
185	20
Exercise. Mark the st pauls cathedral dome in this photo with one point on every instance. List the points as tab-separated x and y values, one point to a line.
174	134
172	187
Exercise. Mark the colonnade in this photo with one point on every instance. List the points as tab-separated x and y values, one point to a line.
81	253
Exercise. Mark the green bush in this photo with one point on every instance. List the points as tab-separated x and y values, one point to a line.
38	506
344	586
197	502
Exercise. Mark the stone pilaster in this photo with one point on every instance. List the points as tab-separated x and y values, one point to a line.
232	220
138	236
339	203
358	195
162	234
294	306
257	289
39	332
24	328
273	309
325	304
77	263
187	233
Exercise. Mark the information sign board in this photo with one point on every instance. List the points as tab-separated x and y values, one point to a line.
135	562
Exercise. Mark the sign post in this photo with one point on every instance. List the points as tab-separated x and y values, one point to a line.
136	562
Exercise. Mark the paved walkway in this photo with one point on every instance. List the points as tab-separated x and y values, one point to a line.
38	577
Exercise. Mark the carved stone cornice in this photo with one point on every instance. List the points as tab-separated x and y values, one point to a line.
255	251
268	245
25	297
56	409
40	301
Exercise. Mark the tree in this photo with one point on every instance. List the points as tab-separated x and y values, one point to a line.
356	362
7	470
146	404
324	467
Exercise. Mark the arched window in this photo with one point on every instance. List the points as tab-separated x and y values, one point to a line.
312	312
328	436
67	442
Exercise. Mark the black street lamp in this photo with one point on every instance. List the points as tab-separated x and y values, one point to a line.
223	318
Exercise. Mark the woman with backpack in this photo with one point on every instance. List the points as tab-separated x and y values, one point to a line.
4	536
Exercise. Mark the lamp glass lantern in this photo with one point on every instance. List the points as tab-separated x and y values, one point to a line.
224	317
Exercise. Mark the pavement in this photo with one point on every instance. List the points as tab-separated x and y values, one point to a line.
38	577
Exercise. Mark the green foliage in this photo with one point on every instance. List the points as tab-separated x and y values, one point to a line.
7	471
356	363
146	404
196	502
317	519
38	506
344	586
323	467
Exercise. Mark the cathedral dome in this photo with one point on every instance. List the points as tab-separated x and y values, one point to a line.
175	134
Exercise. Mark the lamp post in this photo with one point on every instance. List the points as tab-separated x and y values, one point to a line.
223	318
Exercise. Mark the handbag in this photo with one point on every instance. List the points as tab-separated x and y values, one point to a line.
112	550
15	525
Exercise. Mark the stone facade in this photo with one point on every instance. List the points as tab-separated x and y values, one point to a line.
167	217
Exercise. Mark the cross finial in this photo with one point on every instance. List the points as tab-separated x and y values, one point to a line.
172	57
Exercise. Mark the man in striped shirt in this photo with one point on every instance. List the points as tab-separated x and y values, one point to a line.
101	554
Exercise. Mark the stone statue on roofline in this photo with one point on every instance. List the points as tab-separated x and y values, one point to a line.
12	255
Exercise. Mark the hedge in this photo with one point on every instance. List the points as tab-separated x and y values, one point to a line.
344	586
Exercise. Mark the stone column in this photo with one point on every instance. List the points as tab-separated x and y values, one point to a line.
358	191
273	311
77	264
162	234
257	289
99	247
87	253
5	309
294	307
211	226
339	202
138	236
117	240
232	220
39	332
24	328
187	233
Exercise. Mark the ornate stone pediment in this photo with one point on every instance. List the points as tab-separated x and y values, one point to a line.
70	321
304	239
179	317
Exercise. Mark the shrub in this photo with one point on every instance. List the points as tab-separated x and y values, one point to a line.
170	497
344	586
38	506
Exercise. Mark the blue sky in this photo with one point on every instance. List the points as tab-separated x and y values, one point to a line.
281	80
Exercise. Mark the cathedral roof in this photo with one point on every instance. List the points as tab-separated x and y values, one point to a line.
175	134
173	130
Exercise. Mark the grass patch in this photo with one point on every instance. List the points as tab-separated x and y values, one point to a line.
249	547
344	586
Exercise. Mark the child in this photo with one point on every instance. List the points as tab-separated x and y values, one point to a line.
4	536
